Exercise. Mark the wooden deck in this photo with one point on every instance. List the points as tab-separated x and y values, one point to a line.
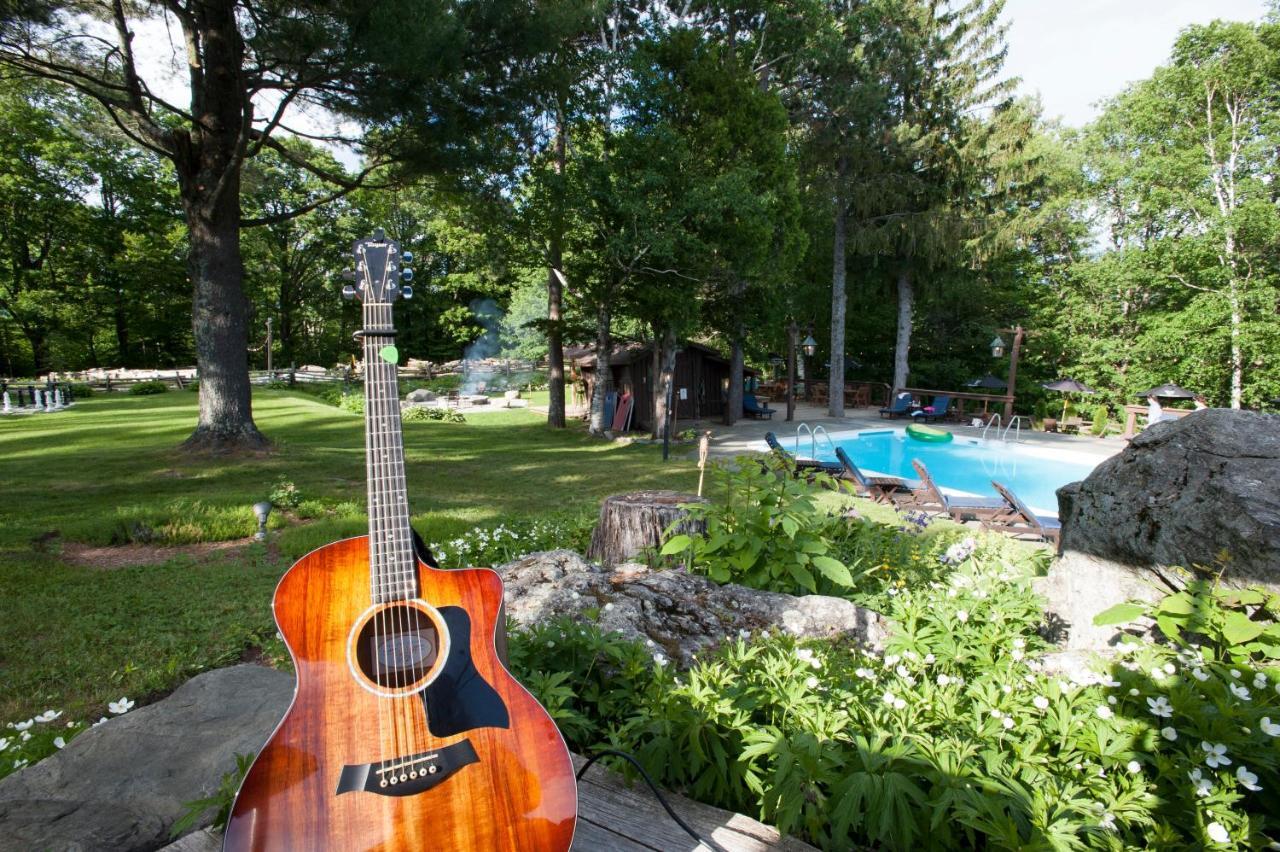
613	817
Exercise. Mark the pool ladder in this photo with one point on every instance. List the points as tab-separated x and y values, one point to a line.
1015	424
813	439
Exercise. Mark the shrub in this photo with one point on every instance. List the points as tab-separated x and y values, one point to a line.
148	388
420	413
352	402
1041	410
285	495
1101	416
79	390
766	533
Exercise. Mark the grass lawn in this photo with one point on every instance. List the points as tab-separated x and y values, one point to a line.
74	635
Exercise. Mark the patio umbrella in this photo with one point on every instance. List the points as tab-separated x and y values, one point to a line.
1067	386
987	381
1167	391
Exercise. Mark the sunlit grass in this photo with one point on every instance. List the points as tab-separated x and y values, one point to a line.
108	471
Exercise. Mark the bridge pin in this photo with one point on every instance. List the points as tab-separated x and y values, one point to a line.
432	769
382	783
404	776
413	774
393	779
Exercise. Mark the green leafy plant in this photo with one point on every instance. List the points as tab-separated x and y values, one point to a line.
1101	420
147	388
221	800
79	390
353	402
514	539
1239	624
285	495
766	532
423	413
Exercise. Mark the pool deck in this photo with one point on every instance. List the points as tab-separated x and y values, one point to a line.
744	435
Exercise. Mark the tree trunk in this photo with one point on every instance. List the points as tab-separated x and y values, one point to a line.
632	523
906	305
38	340
733	405
1237	352
666	374
555	301
835	392
123	356
604	374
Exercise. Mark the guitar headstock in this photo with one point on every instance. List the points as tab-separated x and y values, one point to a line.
380	269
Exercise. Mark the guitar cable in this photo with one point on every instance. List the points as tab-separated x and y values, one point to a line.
710	844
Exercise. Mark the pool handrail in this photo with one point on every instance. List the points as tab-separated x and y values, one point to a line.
995	418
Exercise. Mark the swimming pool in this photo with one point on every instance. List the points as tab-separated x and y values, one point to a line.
964	465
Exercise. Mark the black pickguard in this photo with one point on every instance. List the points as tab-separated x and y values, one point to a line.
459	699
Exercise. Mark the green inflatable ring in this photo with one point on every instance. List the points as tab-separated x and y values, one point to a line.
929	434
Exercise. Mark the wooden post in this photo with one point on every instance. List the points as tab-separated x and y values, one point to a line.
704	446
1018	333
792	332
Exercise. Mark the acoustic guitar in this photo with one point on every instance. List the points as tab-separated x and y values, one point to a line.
406	731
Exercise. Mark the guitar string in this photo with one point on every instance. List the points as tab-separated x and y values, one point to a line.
374	591
377	371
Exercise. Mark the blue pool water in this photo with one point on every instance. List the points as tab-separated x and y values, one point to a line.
963	465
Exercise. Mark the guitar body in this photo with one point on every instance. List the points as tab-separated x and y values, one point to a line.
448	752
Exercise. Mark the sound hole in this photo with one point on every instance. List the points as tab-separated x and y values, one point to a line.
397	646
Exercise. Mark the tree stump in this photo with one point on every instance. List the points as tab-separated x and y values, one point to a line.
631	523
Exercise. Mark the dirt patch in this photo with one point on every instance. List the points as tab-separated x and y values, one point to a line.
133	555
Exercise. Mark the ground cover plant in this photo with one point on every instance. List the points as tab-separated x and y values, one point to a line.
77	632
957	736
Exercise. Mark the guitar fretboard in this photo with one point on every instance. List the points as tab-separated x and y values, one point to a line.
392	563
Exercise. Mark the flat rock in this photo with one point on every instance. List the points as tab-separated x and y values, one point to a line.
1186	492
121	785
420	395
684	613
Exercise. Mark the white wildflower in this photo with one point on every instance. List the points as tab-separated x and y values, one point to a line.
22	726
811	682
1215	755
4	743
1041	702
1204	786
1240	692
1247	779
1104	712
48	715
1199	674
1108	822
1259	681
1160	706
1007	722
59	742
962	615
1134	692
1268	727
1169	733
1217	833
943	680
865	674
1235	673
1134	767
1111	699
660	660
929	659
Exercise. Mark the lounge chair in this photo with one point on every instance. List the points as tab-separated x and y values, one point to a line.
939	410
752	406
900	407
1018	520
881	489
929	498
799	465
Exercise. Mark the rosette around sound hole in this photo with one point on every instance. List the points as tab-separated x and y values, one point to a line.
397	646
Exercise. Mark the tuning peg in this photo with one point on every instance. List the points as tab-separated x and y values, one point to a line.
407	256
349	274
348	292
406	274
406	292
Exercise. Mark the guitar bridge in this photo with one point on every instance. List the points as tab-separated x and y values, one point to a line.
405	776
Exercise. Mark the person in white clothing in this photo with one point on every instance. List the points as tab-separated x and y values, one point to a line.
1155	411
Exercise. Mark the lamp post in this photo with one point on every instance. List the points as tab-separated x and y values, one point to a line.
261	511
810	347
997	351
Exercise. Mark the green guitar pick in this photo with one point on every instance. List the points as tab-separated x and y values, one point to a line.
390	354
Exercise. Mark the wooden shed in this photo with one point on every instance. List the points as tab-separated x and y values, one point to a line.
701	382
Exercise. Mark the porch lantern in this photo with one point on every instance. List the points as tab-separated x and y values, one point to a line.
810	346
997	347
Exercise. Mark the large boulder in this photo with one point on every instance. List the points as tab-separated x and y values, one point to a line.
1186	492
682	612
420	395
121	785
